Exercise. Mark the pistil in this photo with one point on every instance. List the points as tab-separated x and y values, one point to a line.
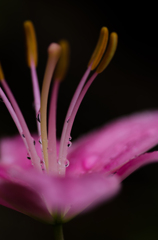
59	75
53	56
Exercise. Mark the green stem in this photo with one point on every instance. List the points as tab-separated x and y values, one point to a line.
58	232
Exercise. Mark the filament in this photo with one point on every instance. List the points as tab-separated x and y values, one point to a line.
70	109
34	157
70	123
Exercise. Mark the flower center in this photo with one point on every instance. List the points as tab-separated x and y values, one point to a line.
58	54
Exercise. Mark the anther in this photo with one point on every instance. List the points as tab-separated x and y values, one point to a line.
100	48
109	53
31	43
1	74
63	62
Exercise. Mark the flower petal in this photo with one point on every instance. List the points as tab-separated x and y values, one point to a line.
115	144
88	190
13	151
20	196
136	163
40	195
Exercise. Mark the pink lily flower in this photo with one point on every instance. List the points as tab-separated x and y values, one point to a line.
54	181
33	168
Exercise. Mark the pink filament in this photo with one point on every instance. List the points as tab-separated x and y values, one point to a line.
33	154
52	151
36	93
11	111
72	117
13	115
71	107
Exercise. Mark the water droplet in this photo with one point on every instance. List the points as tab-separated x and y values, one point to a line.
39	140
68	119
38	116
70	138
28	156
23	135
69	144
67	163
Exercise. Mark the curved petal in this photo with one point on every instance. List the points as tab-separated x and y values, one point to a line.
38	194
115	144
136	163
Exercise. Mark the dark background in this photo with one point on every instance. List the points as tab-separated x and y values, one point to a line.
129	84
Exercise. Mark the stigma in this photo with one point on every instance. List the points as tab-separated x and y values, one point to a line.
56	68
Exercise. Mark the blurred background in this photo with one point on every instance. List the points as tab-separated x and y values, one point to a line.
128	85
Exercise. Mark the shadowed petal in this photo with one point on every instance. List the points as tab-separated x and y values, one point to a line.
115	144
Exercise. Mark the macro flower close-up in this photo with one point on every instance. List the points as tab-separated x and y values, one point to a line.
51	179
34	176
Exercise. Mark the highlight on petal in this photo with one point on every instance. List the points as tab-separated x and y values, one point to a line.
115	144
136	163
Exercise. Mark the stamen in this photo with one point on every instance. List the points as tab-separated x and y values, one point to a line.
104	63
31	43
53	56
32	150
1	74
100	48
59	74
109	53
95	59
32	56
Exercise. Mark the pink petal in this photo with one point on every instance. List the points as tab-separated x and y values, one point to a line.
13	151
20	196
40	195
115	144
136	163
87	191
